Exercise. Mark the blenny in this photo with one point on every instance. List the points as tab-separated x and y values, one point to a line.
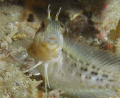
78	69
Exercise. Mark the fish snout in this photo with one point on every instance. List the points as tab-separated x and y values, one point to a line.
53	38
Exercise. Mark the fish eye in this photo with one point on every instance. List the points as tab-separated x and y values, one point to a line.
61	25
44	24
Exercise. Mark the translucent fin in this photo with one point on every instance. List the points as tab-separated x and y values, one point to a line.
39	63
46	74
72	87
87	72
89	54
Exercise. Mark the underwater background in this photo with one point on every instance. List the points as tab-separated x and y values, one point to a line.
93	22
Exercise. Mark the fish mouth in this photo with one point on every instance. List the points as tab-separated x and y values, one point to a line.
50	46
51	42
53	38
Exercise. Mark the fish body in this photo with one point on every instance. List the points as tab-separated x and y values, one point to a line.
78	69
87	72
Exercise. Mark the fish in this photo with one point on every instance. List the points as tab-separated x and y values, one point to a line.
78	69
47	45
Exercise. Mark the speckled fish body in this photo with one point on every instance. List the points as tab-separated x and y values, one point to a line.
87	72
79	70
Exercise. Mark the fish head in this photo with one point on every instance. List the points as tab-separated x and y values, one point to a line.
51	32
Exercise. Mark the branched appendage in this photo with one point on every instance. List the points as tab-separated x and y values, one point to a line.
39	63
46	77
55	60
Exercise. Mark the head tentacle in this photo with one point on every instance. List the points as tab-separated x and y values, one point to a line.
49	17
56	18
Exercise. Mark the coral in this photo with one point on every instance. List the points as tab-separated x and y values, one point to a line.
79	26
105	17
18	24
33	3
114	34
10	0
11	26
52	94
94	6
19	36
13	81
108	19
1	0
